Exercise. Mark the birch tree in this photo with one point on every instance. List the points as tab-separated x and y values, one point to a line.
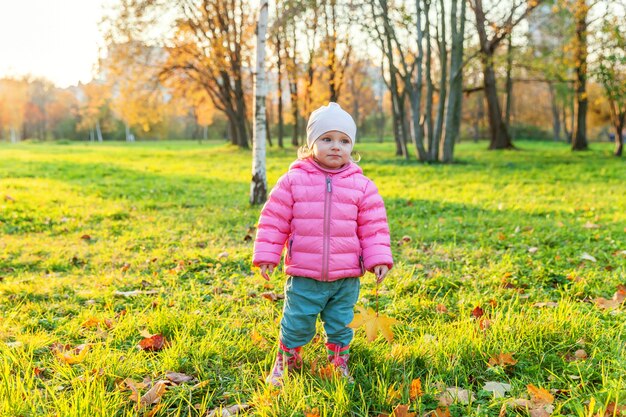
258	187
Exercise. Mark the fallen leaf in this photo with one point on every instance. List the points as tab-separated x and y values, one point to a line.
550	304
154	394
85	237
228	411
154	410
585	256
8	198
222	255
373	323
128	294
590	225
73	356
178	378
272	296
580	354
502	359
153	343
607	304
393	394
416	389
90	322
477	312
539	396
441	308
402	411
533	249
453	394
497	388
315	412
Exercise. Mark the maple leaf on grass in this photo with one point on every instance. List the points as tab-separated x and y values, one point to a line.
502	359
151	342
373	323
71	356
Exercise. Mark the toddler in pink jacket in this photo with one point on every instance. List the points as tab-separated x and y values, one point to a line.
332	224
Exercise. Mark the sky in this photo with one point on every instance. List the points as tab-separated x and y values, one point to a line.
55	39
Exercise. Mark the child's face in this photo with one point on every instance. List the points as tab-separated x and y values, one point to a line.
332	149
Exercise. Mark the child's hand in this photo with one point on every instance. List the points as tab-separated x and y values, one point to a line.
265	268
381	272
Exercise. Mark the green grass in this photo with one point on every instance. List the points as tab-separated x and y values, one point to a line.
160	216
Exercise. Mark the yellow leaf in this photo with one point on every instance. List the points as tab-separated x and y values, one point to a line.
373	323
393	394
91	322
70	358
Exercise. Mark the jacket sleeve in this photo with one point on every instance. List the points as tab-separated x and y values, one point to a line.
274	224
373	230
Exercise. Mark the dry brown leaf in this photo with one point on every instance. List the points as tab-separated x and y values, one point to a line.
607	304
441	308
402	411
502	359
580	354
416	389
154	394
373	323
178	377
272	296
441	412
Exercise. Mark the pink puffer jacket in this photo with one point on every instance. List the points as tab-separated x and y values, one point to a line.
332	222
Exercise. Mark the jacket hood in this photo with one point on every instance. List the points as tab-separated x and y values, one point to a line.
311	167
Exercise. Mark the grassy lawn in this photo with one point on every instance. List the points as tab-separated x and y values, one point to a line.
101	242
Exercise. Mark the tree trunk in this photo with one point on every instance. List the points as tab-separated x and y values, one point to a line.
579	142
509	83
258	187
433	149
453	115
279	65
556	120
416	95
500	138
443	92
98	131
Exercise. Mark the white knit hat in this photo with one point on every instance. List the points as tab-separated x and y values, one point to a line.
327	118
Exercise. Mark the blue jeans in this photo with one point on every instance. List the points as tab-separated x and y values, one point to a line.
306	298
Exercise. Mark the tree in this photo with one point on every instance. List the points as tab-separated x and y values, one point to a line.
258	187
490	36
611	73
453	114
207	43
14	96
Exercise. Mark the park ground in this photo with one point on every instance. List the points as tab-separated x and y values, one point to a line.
122	263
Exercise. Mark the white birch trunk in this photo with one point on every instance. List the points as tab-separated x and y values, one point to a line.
98	131
258	187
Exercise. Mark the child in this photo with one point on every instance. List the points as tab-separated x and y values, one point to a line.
332	222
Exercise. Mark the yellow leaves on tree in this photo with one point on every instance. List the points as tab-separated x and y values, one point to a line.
373	323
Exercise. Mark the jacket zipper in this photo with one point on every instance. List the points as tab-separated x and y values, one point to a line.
327	205
290	246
